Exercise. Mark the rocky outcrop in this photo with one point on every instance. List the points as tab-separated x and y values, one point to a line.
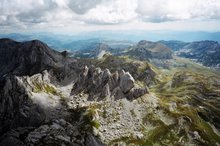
101	84
16	108
126	82
58	132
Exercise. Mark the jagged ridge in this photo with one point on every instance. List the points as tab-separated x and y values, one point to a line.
101	84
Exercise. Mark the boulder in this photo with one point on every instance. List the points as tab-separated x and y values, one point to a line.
136	92
126	82
105	91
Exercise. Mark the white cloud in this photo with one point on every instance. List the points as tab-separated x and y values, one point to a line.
82	6
112	12
171	10
24	11
72	13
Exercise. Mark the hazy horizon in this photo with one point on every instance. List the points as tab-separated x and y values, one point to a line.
132	35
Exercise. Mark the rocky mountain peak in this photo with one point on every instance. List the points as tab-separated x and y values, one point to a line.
27	58
144	42
6	40
100	84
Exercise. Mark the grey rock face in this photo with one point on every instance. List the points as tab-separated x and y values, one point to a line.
137	92
59	132
91	140
118	94
126	82
27	58
16	108
100	84
148	76
105	91
12	138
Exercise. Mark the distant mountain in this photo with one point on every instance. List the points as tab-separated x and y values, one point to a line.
205	52
117	44
95	50
51	40
112	38
174	44
68	42
81	44
27	57
146	50
136	35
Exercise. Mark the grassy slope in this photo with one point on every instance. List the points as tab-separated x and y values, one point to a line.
200	81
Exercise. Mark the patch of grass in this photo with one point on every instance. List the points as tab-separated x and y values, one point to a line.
88	118
42	87
198	124
129	140
38	87
50	89
154	135
91	112
95	123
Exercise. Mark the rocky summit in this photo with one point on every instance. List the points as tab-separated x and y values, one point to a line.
48	98
103	84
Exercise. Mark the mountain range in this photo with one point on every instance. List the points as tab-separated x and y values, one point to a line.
120	97
82	44
204	52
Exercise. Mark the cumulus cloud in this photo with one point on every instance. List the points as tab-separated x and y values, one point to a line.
112	12
81	7
26	13
171	10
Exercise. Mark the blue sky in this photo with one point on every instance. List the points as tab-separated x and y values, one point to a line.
92	15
